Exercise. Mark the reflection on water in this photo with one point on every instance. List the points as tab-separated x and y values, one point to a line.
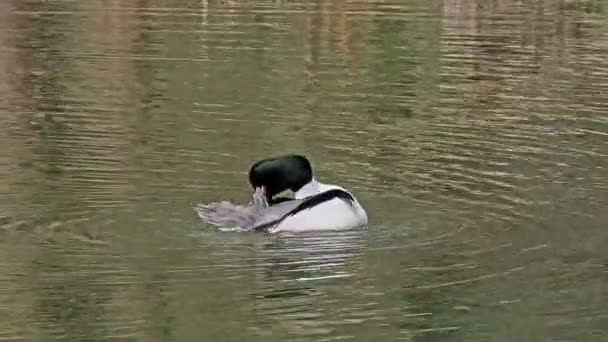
474	133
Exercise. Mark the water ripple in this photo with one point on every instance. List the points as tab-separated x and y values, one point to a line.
473	133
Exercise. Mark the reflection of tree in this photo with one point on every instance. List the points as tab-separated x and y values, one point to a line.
79	128
522	85
518	92
79	94
8	62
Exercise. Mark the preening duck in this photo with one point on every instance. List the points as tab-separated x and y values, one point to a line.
314	205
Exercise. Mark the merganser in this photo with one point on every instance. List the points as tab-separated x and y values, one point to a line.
314	206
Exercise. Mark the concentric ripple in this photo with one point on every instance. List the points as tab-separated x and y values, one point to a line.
474	133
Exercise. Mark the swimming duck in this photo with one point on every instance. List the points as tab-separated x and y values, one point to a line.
313	206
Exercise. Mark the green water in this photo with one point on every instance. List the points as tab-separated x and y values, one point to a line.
475	133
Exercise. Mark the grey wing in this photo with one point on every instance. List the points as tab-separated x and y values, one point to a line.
275	212
226	214
230	215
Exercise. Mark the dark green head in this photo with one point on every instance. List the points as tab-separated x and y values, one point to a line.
279	174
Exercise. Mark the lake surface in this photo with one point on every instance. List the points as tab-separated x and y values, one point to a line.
475	133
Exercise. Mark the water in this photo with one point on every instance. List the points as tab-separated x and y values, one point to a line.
474	133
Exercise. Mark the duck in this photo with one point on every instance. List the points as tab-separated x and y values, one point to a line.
312	205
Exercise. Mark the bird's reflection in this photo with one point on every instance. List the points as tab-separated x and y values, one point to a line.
293	274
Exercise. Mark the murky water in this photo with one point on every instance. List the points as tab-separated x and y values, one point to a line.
474	132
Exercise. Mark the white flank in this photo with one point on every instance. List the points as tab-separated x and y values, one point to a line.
335	214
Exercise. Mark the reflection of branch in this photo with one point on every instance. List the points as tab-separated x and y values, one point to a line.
204	11
204	15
